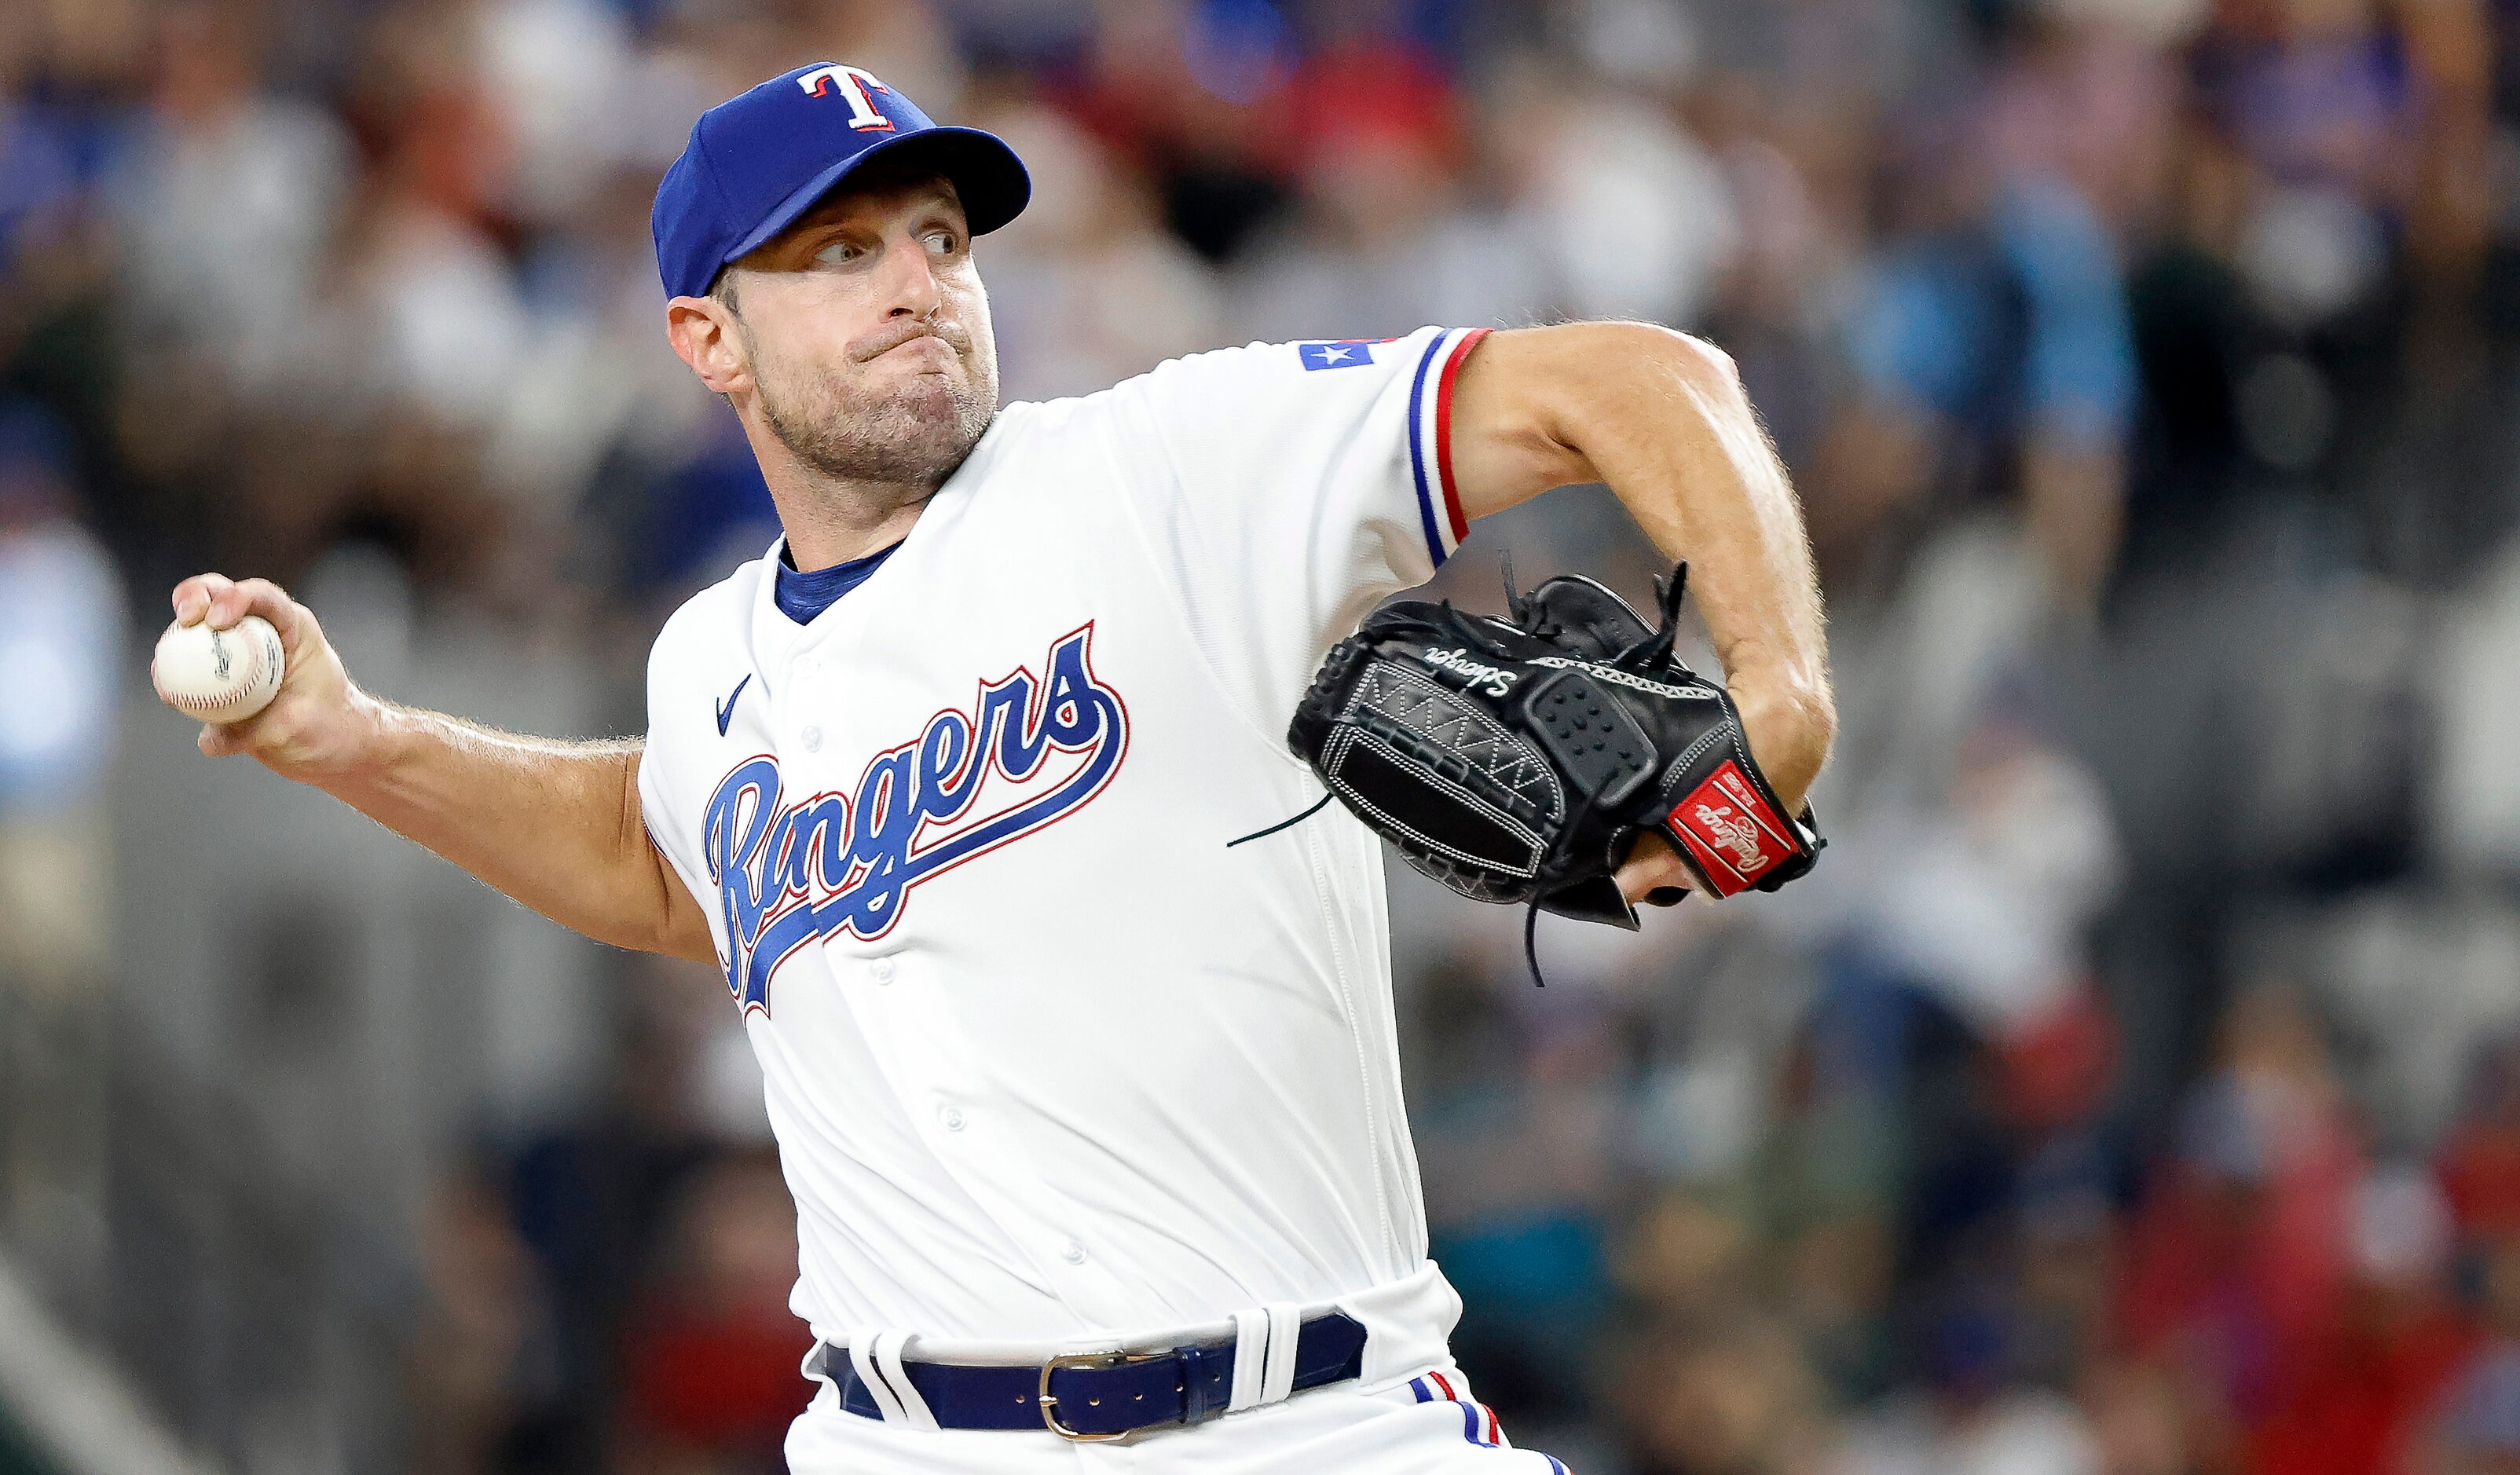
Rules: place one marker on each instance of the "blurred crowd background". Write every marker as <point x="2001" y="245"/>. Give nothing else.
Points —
<point x="2135" y="1088"/>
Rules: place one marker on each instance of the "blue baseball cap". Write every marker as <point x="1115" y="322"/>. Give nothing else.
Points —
<point x="758" y="161"/>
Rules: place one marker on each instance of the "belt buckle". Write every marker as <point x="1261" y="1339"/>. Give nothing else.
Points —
<point x="1088" y="1361"/>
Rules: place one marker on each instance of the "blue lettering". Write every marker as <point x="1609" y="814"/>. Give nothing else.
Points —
<point x="787" y="874"/>
<point x="739" y="892"/>
<point x="1006" y="722"/>
<point x="818" y="845"/>
<point x="1078" y="708"/>
<point x="944" y="784"/>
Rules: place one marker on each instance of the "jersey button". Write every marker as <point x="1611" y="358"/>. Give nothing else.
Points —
<point x="881" y="968"/>
<point x="951" y="1116"/>
<point x="1072" y="1252"/>
<point x="812" y="738"/>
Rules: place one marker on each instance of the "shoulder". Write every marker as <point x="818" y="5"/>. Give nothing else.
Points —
<point x="1310" y="363"/>
<point x="1325" y="364"/>
<point x="1219" y="381"/>
<point x="1221" y="389"/>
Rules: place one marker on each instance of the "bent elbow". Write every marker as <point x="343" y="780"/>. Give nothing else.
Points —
<point x="1695" y="359"/>
<point x="1609" y="356"/>
<point x="1630" y="341"/>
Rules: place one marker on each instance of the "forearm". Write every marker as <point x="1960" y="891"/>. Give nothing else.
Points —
<point x="556" y="824"/>
<point x="1662" y="419"/>
<point x="1683" y="451"/>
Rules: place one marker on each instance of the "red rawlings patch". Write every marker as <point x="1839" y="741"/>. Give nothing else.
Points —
<point x="1733" y="833"/>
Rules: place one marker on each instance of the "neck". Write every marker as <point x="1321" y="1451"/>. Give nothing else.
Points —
<point x="831" y="520"/>
<point x="822" y="529"/>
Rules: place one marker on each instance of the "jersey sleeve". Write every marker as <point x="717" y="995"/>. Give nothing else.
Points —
<point x="1285" y="488"/>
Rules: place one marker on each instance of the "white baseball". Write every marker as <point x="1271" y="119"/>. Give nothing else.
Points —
<point x="219" y="675"/>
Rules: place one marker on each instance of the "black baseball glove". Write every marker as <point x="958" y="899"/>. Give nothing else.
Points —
<point x="1519" y="760"/>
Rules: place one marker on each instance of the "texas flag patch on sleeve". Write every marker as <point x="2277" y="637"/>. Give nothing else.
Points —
<point x="1345" y="354"/>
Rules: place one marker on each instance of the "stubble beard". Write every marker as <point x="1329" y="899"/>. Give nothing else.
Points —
<point x="912" y="436"/>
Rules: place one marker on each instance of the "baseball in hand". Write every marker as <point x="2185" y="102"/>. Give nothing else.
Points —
<point x="218" y="675"/>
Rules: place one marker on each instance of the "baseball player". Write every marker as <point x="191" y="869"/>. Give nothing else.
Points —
<point x="1093" y="1125"/>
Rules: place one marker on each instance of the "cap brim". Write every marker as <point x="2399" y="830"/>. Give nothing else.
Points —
<point x="991" y="180"/>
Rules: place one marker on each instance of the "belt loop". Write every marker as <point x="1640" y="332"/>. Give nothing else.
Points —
<point x="876" y="1356"/>
<point x="1285" y="1328"/>
<point x="1250" y="1359"/>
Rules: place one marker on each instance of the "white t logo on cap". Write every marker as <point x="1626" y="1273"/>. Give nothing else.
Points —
<point x="853" y="83"/>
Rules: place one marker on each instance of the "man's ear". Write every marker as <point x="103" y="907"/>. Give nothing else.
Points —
<point x="706" y="336"/>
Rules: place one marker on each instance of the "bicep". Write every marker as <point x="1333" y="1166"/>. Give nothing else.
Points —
<point x="1525" y="399"/>
<point x="1505" y="440"/>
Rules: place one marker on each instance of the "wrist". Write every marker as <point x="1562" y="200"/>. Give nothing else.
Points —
<point x="362" y="746"/>
<point x="1789" y="726"/>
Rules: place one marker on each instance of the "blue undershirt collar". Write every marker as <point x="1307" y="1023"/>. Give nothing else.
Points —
<point x="802" y="596"/>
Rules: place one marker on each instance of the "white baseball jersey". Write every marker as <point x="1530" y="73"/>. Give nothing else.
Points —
<point x="1044" y="1057"/>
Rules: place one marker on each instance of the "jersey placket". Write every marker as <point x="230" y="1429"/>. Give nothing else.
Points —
<point x="890" y="986"/>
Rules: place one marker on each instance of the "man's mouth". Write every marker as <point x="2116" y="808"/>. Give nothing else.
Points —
<point x="876" y="345"/>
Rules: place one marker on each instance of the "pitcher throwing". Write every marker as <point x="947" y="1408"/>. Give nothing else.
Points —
<point x="1093" y="1125"/>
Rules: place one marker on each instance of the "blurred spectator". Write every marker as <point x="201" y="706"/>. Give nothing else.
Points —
<point x="38" y="181"/>
<point x="2361" y="1402"/>
<point x="2481" y="1161"/>
<point x="229" y="199"/>
<point x="59" y="650"/>
<point x="617" y="1210"/>
<point x="1998" y="321"/>
<point x="1723" y="1393"/>
<point x="1525" y="1153"/>
<point x="560" y="76"/>
<point x="712" y="1382"/>
<point x="2481" y="1432"/>
<point x="2146" y="1422"/>
<point x="1392" y="233"/>
<point x="2476" y="1426"/>
<point x="479" y="1354"/>
<point x="1630" y="214"/>
<point x="2238" y="1261"/>
<point x="1976" y="1417"/>
<point x="1086" y="287"/>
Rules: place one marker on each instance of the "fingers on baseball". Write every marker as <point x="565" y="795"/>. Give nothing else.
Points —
<point x="223" y="602"/>
<point x="193" y="597"/>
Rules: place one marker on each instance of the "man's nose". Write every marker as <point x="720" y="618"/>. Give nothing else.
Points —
<point x="911" y="281"/>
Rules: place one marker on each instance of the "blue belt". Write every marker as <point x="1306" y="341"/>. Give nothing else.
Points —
<point x="1092" y="1395"/>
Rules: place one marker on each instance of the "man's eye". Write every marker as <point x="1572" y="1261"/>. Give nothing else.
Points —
<point x="943" y="243"/>
<point x="839" y="253"/>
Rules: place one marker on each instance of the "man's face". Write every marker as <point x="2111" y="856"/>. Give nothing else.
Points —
<point x="867" y="332"/>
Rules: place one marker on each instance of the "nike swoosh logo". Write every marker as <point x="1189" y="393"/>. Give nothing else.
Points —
<point x="726" y="708"/>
